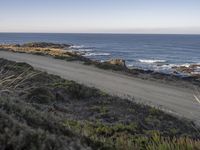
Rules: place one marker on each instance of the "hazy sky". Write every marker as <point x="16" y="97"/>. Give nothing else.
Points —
<point x="116" y="16"/>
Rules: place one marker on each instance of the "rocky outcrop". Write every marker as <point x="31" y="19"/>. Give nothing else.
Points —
<point x="41" y="48"/>
<point x="46" y="45"/>
<point x="193" y="69"/>
<point x="119" y="62"/>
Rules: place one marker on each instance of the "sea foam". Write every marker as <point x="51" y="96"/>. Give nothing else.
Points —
<point x="77" y="46"/>
<point x="152" y="61"/>
<point x="96" y="54"/>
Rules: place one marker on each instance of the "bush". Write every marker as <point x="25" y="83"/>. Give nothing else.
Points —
<point x="47" y="112"/>
<point x="40" y="95"/>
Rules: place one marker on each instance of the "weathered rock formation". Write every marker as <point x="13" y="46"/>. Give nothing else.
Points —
<point x="41" y="48"/>
<point x="45" y="45"/>
<point x="193" y="69"/>
<point x="119" y="62"/>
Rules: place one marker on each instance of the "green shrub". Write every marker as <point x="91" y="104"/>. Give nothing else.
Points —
<point x="33" y="116"/>
<point x="40" y="95"/>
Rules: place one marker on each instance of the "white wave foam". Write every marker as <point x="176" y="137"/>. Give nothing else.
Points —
<point x="96" y="54"/>
<point x="166" y="67"/>
<point x="184" y="65"/>
<point x="85" y="50"/>
<point x="151" y="61"/>
<point x="77" y="46"/>
<point x="195" y="73"/>
<point x="130" y="65"/>
<point x="171" y="66"/>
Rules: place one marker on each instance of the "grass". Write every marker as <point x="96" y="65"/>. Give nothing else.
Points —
<point x="121" y="137"/>
<point x="42" y="111"/>
<point x="197" y="96"/>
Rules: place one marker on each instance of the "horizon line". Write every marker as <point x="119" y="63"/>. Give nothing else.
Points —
<point x="102" y="33"/>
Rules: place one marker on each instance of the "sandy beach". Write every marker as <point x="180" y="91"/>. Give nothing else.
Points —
<point x="173" y="99"/>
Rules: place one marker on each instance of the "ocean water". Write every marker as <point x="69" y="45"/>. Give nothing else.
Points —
<point x="154" y="52"/>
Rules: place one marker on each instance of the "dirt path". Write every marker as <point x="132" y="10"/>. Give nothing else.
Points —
<point x="175" y="99"/>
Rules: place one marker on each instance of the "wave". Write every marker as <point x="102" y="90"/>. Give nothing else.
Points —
<point x="81" y="47"/>
<point x="172" y="66"/>
<point x="184" y="65"/>
<point x="96" y="54"/>
<point x="85" y="50"/>
<point x="77" y="46"/>
<point x="152" y="61"/>
<point x="129" y="65"/>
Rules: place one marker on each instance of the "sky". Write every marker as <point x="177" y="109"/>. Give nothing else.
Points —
<point x="100" y="16"/>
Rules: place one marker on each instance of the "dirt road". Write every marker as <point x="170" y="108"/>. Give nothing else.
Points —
<point x="172" y="99"/>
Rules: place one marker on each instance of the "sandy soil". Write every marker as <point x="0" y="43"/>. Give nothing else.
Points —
<point x="173" y="99"/>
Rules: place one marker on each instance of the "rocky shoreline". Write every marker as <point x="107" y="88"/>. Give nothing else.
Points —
<point x="66" y="52"/>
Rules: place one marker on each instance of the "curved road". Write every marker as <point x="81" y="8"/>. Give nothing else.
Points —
<point x="173" y="99"/>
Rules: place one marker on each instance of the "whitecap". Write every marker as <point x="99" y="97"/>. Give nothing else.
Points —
<point x="130" y="65"/>
<point x="85" y="50"/>
<point x="167" y="67"/>
<point x="96" y="54"/>
<point x="151" y="61"/>
<point x="184" y="65"/>
<point x="179" y="65"/>
<point x="77" y="46"/>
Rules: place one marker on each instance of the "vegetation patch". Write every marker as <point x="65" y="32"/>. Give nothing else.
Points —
<point x="42" y="111"/>
<point x="121" y="136"/>
<point x="40" y="95"/>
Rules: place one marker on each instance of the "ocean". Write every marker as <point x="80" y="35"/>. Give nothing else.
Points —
<point x="150" y="52"/>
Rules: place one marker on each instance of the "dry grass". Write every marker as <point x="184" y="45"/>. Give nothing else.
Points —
<point x="116" y="136"/>
<point x="197" y="96"/>
<point x="14" y="81"/>
<point x="197" y="99"/>
<point x="39" y="50"/>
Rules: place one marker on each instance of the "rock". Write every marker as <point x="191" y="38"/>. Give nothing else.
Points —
<point x="119" y="62"/>
<point x="195" y="66"/>
<point x="16" y="45"/>
<point x="183" y="69"/>
<point x="45" y="45"/>
<point x="193" y="70"/>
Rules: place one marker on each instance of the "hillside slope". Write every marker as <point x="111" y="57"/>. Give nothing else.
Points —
<point x="42" y="111"/>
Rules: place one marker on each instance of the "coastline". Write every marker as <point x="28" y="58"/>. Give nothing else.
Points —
<point x="68" y="53"/>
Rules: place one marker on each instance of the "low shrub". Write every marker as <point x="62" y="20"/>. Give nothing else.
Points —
<point x="40" y="95"/>
<point x="47" y="112"/>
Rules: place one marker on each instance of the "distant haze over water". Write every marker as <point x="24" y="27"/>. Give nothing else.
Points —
<point x="156" y="52"/>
